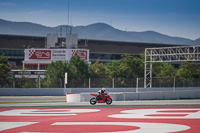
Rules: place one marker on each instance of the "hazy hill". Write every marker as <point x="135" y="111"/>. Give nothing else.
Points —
<point x="195" y="42"/>
<point x="24" y="28"/>
<point x="99" y="31"/>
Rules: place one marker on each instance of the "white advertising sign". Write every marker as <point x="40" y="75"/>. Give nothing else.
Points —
<point x="59" y="54"/>
<point x="55" y="54"/>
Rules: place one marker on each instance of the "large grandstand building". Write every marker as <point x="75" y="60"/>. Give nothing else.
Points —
<point x="13" y="46"/>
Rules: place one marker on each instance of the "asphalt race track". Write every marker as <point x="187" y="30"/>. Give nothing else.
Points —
<point x="181" y="116"/>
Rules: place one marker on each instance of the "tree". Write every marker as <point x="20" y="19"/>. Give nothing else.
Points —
<point x="132" y="67"/>
<point x="55" y="73"/>
<point x="164" y="73"/>
<point x="188" y="70"/>
<point x="98" y="70"/>
<point x="77" y="70"/>
<point x="188" y="75"/>
<point x="113" y="68"/>
<point x="164" y="70"/>
<point x="127" y="67"/>
<point x="126" y="70"/>
<point x="100" y="75"/>
<point x="4" y="70"/>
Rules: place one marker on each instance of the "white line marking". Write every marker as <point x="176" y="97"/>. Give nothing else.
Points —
<point x="10" y="125"/>
<point x="143" y="113"/>
<point x="144" y="127"/>
<point x="45" y="112"/>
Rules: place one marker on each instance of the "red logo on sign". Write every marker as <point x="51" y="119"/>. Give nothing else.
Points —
<point x="81" y="53"/>
<point x="40" y="54"/>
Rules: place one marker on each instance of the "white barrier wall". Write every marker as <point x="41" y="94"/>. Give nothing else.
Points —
<point x="139" y="96"/>
<point x="32" y="91"/>
<point x="115" y="93"/>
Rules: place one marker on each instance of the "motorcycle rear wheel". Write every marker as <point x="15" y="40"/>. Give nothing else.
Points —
<point x="93" y="101"/>
<point x="109" y="101"/>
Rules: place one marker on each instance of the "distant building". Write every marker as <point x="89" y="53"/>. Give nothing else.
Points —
<point x="15" y="46"/>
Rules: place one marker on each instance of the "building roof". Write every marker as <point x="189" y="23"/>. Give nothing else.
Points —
<point x="95" y="46"/>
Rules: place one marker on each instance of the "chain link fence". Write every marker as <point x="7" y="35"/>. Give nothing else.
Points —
<point x="100" y="82"/>
<point x="171" y="82"/>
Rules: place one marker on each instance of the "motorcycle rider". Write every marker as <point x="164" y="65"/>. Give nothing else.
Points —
<point x="101" y="93"/>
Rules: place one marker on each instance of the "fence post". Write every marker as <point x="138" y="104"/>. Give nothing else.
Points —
<point x="14" y="82"/>
<point x="39" y="81"/>
<point x="113" y="83"/>
<point x="89" y="83"/>
<point x="174" y="83"/>
<point x="137" y="85"/>
<point x="64" y="84"/>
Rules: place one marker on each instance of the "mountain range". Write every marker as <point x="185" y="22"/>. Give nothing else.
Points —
<point x="97" y="31"/>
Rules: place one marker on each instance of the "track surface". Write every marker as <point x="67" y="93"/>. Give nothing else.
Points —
<point x="53" y="115"/>
<point x="182" y="119"/>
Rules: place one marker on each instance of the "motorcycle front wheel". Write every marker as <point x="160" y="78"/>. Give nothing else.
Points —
<point x="109" y="101"/>
<point x="93" y="101"/>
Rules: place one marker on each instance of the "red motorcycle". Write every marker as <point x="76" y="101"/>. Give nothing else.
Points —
<point x="105" y="98"/>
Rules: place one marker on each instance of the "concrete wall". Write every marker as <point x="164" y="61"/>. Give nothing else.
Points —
<point x="90" y="90"/>
<point x="63" y="91"/>
<point x="192" y="94"/>
<point x="116" y="93"/>
<point x="32" y="91"/>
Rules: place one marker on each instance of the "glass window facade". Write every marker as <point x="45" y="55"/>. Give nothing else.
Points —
<point x="31" y="67"/>
<point x="12" y="52"/>
<point x="107" y="57"/>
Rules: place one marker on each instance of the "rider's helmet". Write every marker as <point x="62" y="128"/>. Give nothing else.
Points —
<point x="103" y="89"/>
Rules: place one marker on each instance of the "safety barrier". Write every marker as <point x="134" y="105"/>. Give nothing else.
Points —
<point x="118" y="94"/>
<point x="161" y="95"/>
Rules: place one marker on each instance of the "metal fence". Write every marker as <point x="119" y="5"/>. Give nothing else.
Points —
<point x="100" y="82"/>
<point x="171" y="82"/>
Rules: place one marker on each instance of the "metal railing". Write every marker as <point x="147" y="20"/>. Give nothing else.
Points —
<point x="101" y="82"/>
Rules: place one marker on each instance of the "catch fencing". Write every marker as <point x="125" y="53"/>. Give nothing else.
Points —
<point x="101" y="82"/>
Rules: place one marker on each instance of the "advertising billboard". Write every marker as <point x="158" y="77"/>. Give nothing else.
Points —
<point x="55" y="54"/>
<point x="82" y="53"/>
<point x="39" y="54"/>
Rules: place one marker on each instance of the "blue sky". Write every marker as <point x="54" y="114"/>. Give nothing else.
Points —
<point x="171" y="17"/>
